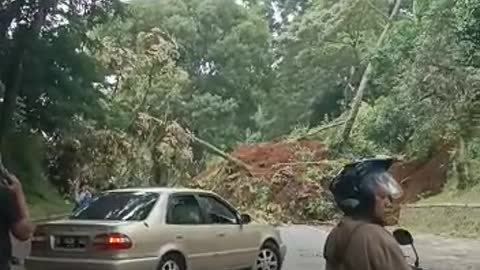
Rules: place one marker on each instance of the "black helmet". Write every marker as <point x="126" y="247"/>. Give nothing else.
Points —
<point x="354" y="186"/>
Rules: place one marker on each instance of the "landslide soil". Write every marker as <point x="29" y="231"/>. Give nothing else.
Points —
<point x="288" y="181"/>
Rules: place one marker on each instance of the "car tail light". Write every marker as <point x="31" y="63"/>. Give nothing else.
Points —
<point x="112" y="241"/>
<point x="39" y="237"/>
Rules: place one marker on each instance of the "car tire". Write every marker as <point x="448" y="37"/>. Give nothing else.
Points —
<point x="172" y="261"/>
<point x="268" y="257"/>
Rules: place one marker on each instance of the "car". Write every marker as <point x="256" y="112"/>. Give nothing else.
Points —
<point x="156" y="229"/>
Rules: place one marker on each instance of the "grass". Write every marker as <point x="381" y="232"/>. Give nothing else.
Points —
<point x="44" y="201"/>
<point x="450" y="195"/>
<point x="446" y="221"/>
<point x="24" y="155"/>
<point x="41" y="208"/>
<point x="456" y="222"/>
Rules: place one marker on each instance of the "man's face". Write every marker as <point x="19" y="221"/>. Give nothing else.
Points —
<point x="382" y="202"/>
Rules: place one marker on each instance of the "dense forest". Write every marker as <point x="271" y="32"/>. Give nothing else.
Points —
<point x="103" y="90"/>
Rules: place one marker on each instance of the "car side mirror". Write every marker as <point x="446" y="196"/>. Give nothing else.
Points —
<point x="245" y="218"/>
<point x="403" y="237"/>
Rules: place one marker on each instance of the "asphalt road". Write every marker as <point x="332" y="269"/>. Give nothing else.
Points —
<point x="305" y="246"/>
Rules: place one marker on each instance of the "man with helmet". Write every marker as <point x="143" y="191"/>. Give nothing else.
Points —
<point x="363" y="190"/>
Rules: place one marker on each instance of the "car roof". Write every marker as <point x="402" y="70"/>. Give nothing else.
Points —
<point x="168" y="190"/>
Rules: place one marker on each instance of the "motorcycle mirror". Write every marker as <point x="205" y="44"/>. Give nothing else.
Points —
<point x="403" y="237"/>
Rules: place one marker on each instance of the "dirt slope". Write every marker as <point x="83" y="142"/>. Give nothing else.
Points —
<point x="422" y="177"/>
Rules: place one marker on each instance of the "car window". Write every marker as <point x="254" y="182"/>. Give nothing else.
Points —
<point x="133" y="206"/>
<point x="217" y="211"/>
<point x="184" y="209"/>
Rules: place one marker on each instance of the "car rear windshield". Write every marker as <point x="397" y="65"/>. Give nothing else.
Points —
<point x="132" y="206"/>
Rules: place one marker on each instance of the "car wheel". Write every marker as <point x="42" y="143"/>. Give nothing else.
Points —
<point x="268" y="258"/>
<point x="172" y="261"/>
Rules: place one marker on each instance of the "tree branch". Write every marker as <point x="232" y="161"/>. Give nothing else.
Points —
<point x="212" y="148"/>
<point x="320" y="129"/>
<point x="220" y="153"/>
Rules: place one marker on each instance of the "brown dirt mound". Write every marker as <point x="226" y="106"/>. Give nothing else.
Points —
<point x="282" y="181"/>
<point x="266" y="158"/>
<point x="422" y="177"/>
<point x="287" y="181"/>
<point x="419" y="178"/>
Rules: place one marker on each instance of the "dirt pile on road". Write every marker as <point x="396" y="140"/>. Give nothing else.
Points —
<point x="265" y="159"/>
<point x="288" y="181"/>
<point x="284" y="182"/>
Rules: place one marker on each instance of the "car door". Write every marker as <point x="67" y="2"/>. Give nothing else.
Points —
<point x="187" y="223"/>
<point x="239" y="244"/>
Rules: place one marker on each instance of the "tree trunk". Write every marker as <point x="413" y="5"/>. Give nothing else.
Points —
<point x="317" y="130"/>
<point x="357" y="101"/>
<point x="462" y="166"/>
<point x="212" y="148"/>
<point x="161" y="174"/>
<point x="220" y="153"/>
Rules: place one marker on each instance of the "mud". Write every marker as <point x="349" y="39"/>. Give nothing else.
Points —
<point x="265" y="159"/>
<point x="291" y="180"/>
<point x="422" y="178"/>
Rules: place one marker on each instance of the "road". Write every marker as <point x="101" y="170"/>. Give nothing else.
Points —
<point x="305" y="244"/>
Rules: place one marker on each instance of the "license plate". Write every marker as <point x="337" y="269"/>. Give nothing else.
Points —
<point x="70" y="242"/>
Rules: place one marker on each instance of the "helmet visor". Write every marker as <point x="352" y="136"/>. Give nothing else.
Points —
<point x="386" y="184"/>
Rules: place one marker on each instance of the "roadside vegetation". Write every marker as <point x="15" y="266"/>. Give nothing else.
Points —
<point x="453" y="212"/>
<point x="190" y="92"/>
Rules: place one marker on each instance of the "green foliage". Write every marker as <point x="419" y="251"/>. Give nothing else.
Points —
<point x="319" y="209"/>
<point x="428" y="91"/>
<point x="320" y="61"/>
<point x="390" y="124"/>
<point x="224" y="48"/>
<point x="113" y="90"/>
<point x="24" y="155"/>
<point x="159" y="154"/>
<point x="56" y="73"/>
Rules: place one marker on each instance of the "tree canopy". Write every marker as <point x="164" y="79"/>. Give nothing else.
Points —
<point x="232" y="72"/>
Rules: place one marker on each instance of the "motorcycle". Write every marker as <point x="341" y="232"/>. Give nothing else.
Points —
<point x="405" y="238"/>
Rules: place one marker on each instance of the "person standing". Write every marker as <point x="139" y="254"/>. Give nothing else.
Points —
<point x="14" y="217"/>
<point x="82" y="195"/>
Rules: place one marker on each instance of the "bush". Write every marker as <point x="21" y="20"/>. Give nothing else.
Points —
<point x="320" y="209"/>
<point x="24" y="155"/>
